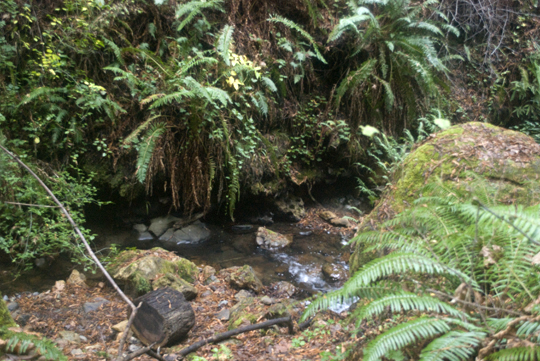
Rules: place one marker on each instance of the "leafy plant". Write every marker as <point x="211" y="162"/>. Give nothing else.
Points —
<point x="470" y="284"/>
<point x="20" y="343"/>
<point x="394" y="66"/>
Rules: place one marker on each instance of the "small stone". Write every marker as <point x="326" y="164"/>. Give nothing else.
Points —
<point x="284" y="289"/>
<point x="334" y="272"/>
<point x="223" y="303"/>
<point x="145" y="236"/>
<point x="245" y="278"/>
<point x="76" y="278"/>
<point x="59" y="286"/>
<point x="35" y="294"/>
<point x="12" y="306"/>
<point x="271" y="240"/>
<point x="224" y="314"/>
<point x="208" y="272"/>
<point x="210" y="280"/>
<point x="83" y="338"/>
<point x="242" y="295"/>
<point x="133" y="348"/>
<point x="5" y="298"/>
<point x="120" y="327"/>
<point x="77" y="352"/>
<point x="140" y="228"/>
<point x="93" y="306"/>
<point x="206" y="293"/>
<point x="267" y="300"/>
<point x="70" y="337"/>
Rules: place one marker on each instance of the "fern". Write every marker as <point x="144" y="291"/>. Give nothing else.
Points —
<point x="516" y="354"/>
<point x="134" y="134"/>
<point x="453" y="346"/>
<point x="146" y="149"/>
<point x="224" y="43"/>
<point x="403" y="335"/>
<point x="292" y="25"/>
<point x="194" y="8"/>
<point x="22" y="341"/>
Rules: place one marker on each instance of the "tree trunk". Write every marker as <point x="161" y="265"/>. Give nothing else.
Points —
<point x="163" y="318"/>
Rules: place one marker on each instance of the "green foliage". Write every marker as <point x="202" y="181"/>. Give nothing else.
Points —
<point x="442" y="241"/>
<point x="31" y="225"/>
<point x="394" y="63"/>
<point x="20" y="341"/>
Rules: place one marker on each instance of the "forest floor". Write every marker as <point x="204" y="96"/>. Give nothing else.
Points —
<point x="59" y="315"/>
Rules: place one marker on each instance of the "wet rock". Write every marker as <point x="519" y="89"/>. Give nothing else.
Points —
<point x="265" y="220"/>
<point x="207" y="272"/>
<point x="271" y="240"/>
<point x="334" y="272"/>
<point x="175" y="282"/>
<point x="12" y="306"/>
<point x="290" y="209"/>
<point x="168" y="235"/>
<point x="224" y="314"/>
<point x="76" y="278"/>
<point x="242" y="294"/>
<point x="334" y="220"/>
<point x="136" y="269"/>
<point x="145" y="237"/>
<point x="140" y="227"/>
<point x="159" y="225"/>
<point x="194" y="233"/>
<point x="93" y="306"/>
<point x="245" y="278"/>
<point x="283" y="289"/>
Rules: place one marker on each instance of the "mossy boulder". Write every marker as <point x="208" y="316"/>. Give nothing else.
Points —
<point x="474" y="157"/>
<point x="140" y="271"/>
<point x="5" y="316"/>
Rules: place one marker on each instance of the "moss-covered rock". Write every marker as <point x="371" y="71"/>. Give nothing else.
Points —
<point x="137" y="270"/>
<point x="245" y="278"/>
<point x="175" y="282"/>
<point x="502" y="164"/>
<point x="5" y="316"/>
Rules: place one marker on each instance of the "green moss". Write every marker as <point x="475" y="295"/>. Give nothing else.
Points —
<point x="5" y="316"/>
<point x="141" y="284"/>
<point x="475" y="157"/>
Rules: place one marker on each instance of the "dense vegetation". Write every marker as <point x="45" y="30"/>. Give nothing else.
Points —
<point x="205" y="101"/>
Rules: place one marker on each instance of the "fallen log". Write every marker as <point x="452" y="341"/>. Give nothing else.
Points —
<point x="163" y="318"/>
<point x="225" y="335"/>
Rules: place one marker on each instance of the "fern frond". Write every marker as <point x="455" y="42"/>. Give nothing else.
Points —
<point x="403" y="335"/>
<point x="42" y="91"/>
<point x="340" y="297"/>
<point x="404" y="301"/>
<point x="516" y="354"/>
<point x="292" y="25"/>
<point x="269" y="84"/>
<point x="44" y="347"/>
<point x="453" y="346"/>
<point x="401" y="263"/>
<point x="194" y="8"/>
<point x="224" y="42"/>
<point x="116" y="50"/>
<point x="146" y="149"/>
<point x="139" y="129"/>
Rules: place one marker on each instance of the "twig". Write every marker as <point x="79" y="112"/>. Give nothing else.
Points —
<point x="126" y="330"/>
<point x="225" y="335"/>
<point x="137" y="353"/>
<point x="31" y="205"/>
<point x="75" y="227"/>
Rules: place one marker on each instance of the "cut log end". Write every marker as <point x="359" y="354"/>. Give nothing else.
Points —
<point x="164" y="317"/>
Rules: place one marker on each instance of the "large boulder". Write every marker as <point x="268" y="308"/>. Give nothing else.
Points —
<point x="290" y="209"/>
<point x="194" y="233"/>
<point x="139" y="270"/>
<point x="502" y="163"/>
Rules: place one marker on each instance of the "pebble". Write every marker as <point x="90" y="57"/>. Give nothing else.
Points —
<point x="223" y="303"/>
<point x="6" y="298"/>
<point x="224" y="314"/>
<point x="266" y="300"/>
<point x="77" y="352"/>
<point x="12" y="306"/>
<point x="83" y="338"/>
<point x="92" y="306"/>
<point x="133" y="348"/>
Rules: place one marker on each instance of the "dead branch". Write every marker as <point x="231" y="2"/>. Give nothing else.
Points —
<point x="225" y="335"/>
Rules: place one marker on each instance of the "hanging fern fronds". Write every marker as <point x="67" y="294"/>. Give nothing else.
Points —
<point x="134" y="134"/>
<point x="224" y="42"/>
<point x="453" y="346"/>
<point x="403" y="335"/>
<point x="43" y="91"/>
<point x="516" y="354"/>
<point x="146" y="149"/>
<point x="194" y="8"/>
<point x="292" y="25"/>
<point x="115" y="49"/>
